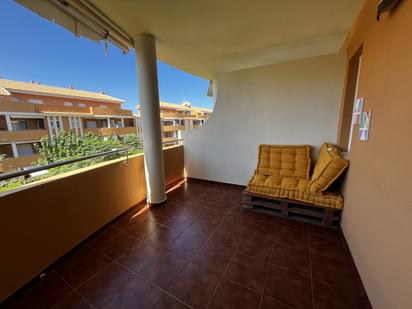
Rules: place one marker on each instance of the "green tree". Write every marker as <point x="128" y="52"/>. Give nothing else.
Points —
<point x="67" y="146"/>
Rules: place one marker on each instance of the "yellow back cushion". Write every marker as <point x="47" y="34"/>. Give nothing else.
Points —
<point x="286" y="161"/>
<point x="328" y="167"/>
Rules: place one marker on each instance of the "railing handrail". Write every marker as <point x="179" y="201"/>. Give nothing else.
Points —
<point x="60" y="163"/>
<point x="28" y="171"/>
<point x="177" y="140"/>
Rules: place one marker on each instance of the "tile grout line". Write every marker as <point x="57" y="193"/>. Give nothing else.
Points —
<point x="150" y="282"/>
<point x="76" y="290"/>
<point x="310" y="270"/>
<point x="196" y="254"/>
<point x="190" y="260"/>
<point x="221" y="277"/>
<point x="268" y="266"/>
<point x="113" y="261"/>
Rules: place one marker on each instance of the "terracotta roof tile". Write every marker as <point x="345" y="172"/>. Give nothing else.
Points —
<point x="10" y="85"/>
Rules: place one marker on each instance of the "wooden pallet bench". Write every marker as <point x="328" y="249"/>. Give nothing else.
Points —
<point x="292" y="209"/>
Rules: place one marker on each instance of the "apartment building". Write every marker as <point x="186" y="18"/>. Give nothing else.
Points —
<point x="29" y="111"/>
<point x="178" y="118"/>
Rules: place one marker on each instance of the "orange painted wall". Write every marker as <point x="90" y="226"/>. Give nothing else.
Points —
<point x="377" y="219"/>
<point x="42" y="222"/>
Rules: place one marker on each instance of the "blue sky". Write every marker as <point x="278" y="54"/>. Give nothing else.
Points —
<point x="33" y="48"/>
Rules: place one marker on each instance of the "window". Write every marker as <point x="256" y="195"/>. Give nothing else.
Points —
<point x="15" y="99"/>
<point x="91" y="124"/>
<point x="103" y="106"/>
<point x="82" y="105"/>
<point x="3" y="123"/>
<point x="68" y="104"/>
<point x="167" y="123"/>
<point x="168" y="134"/>
<point x="40" y="124"/>
<point x="6" y="150"/>
<point x="36" y="101"/>
<point x="19" y="125"/>
<point x="128" y="122"/>
<point x="25" y="149"/>
<point x="55" y="124"/>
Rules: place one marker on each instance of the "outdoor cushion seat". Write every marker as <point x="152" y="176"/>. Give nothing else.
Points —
<point x="283" y="172"/>
<point x="329" y="166"/>
<point x="293" y="189"/>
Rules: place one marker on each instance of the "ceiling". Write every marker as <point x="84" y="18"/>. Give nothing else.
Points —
<point x="206" y="38"/>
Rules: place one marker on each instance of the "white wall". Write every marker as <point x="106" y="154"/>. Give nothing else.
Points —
<point x="290" y="103"/>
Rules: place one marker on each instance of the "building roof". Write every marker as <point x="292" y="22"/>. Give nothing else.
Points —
<point x="184" y="106"/>
<point x="11" y="86"/>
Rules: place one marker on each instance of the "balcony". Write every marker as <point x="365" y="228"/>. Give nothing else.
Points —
<point x="14" y="163"/>
<point x="22" y="136"/>
<point x="295" y="85"/>
<point x="62" y="109"/>
<point x="173" y="128"/>
<point x="98" y="111"/>
<point x="40" y="215"/>
<point x="17" y="107"/>
<point x="110" y="131"/>
<point x="176" y="116"/>
<point x="46" y="108"/>
<point x="160" y="253"/>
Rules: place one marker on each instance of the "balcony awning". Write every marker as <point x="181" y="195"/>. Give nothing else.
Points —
<point x="82" y="19"/>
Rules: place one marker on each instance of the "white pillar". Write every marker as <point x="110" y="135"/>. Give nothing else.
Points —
<point x="80" y="126"/>
<point x="8" y="123"/>
<point x="15" y="152"/>
<point x="56" y="129"/>
<point x="61" y="123"/>
<point x="49" y="125"/>
<point x="109" y="125"/>
<point x="122" y="119"/>
<point x="145" y="47"/>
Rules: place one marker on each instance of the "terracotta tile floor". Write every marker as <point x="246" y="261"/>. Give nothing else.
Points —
<point x="203" y="250"/>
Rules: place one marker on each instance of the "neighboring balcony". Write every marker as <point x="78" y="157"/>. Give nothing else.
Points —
<point x="23" y="107"/>
<point x="10" y="164"/>
<point x="62" y="109"/>
<point x="110" y="111"/>
<point x="177" y="115"/>
<point x="111" y="131"/>
<point x="173" y="128"/>
<point x="22" y="136"/>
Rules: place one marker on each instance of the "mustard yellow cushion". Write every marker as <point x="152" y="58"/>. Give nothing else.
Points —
<point x="284" y="161"/>
<point x="329" y="166"/>
<point x="293" y="189"/>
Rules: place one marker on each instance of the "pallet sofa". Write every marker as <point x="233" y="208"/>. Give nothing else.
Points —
<point x="282" y="182"/>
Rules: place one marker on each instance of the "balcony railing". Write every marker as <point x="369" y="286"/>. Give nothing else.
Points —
<point x="55" y="214"/>
<point x="21" y="136"/>
<point x="110" y="111"/>
<point x="62" y="109"/>
<point x="111" y="131"/>
<point x="177" y="116"/>
<point x="14" y="163"/>
<point x="173" y="128"/>
<point x="46" y="108"/>
<point x="17" y="107"/>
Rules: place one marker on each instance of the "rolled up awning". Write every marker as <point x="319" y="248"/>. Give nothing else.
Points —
<point x="82" y="19"/>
